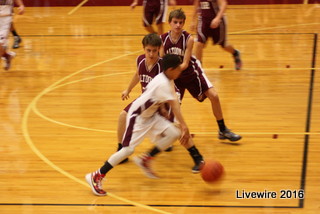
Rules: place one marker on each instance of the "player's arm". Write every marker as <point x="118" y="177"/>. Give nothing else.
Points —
<point x="134" y="81"/>
<point x="20" y="6"/>
<point x="185" y="134"/>
<point x="187" y="54"/>
<point x="222" y="8"/>
<point x="161" y="51"/>
<point x="172" y="2"/>
<point x="134" y="4"/>
<point x="194" y="15"/>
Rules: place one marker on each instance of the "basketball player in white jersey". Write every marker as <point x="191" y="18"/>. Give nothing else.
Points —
<point x="6" y="8"/>
<point x="144" y="120"/>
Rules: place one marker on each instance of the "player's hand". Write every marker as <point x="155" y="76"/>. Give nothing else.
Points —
<point x="215" y="23"/>
<point x="21" y="10"/>
<point x="185" y="135"/>
<point x="133" y="5"/>
<point x="125" y="95"/>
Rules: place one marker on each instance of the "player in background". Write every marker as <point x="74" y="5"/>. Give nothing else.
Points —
<point x="6" y="8"/>
<point x="154" y="10"/>
<point x="180" y="42"/>
<point x="212" y="23"/>
<point x="143" y="120"/>
<point x="149" y="66"/>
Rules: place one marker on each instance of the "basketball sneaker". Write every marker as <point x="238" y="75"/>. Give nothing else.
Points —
<point x="237" y="60"/>
<point x="17" y="41"/>
<point x="7" y="60"/>
<point x="95" y="179"/>
<point x="197" y="167"/>
<point x="144" y="163"/>
<point x="228" y="134"/>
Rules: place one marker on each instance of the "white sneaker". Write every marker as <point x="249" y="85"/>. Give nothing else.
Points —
<point x="95" y="179"/>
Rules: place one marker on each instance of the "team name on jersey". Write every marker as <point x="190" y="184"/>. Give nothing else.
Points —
<point x="145" y="78"/>
<point x="176" y="51"/>
<point x="204" y="5"/>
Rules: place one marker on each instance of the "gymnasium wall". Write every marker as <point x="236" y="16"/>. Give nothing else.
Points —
<point x="47" y="3"/>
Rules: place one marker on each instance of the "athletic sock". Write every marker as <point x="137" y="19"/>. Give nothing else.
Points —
<point x="154" y="152"/>
<point x="14" y="33"/>
<point x="195" y="154"/>
<point x="105" y="168"/>
<point x="222" y="126"/>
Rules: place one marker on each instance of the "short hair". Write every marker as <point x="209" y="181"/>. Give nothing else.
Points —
<point x="151" y="39"/>
<point x="178" y="14"/>
<point x="170" y="61"/>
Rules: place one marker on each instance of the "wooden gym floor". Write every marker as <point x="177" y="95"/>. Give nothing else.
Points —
<point x="61" y="100"/>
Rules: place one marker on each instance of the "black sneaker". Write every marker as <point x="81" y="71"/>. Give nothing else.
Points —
<point x="237" y="60"/>
<point x="228" y="134"/>
<point x="17" y="41"/>
<point x="197" y="167"/>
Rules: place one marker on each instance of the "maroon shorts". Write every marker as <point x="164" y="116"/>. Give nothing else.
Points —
<point x="154" y="9"/>
<point x="195" y="81"/>
<point x="218" y="34"/>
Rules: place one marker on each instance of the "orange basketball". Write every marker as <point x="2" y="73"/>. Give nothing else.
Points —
<point x="211" y="171"/>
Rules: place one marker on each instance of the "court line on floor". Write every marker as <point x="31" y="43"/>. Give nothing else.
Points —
<point x="30" y="143"/>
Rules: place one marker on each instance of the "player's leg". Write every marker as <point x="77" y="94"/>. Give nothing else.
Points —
<point x="131" y="139"/>
<point x="164" y="133"/>
<point x="220" y="37"/>
<point x="120" y="131"/>
<point x="224" y="132"/>
<point x="195" y="155"/>
<point x="203" y="32"/>
<point x="148" y="19"/>
<point x="16" y="38"/>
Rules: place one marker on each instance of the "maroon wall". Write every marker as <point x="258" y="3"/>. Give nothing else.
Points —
<point x="41" y="3"/>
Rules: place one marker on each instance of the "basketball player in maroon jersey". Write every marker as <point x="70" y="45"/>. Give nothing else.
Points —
<point x="180" y="42"/>
<point x="212" y="23"/>
<point x="154" y="10"/>
<point x="148" y="66"/>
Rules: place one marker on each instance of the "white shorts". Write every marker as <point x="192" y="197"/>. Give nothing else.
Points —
<point x="141" y="128"/>
<point x="5" y="25"/>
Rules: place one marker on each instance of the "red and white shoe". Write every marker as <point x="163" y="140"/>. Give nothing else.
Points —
<point x="144" y="163"/>
<point x="95" y="180"/>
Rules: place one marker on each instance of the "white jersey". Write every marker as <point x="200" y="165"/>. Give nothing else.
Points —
<point x="143" y="118"/>
<point x="6" y="7"/>
<point x="158" y="91"/>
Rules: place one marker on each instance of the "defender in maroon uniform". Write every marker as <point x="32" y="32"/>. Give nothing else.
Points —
<point x="149" y="65"/>
<point x="154" y="10"/>
<point x="179" y="42"/>
<point x="212" y="23"/>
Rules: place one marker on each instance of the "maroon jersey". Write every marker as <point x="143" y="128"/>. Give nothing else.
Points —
<point x="146" y="75"/>
<point x="179" y="48"/>
<point x="208" y="8"/>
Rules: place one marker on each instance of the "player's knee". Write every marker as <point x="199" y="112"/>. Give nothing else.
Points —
<point x="212" y="94"/>
<point x="123" y="116"/>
